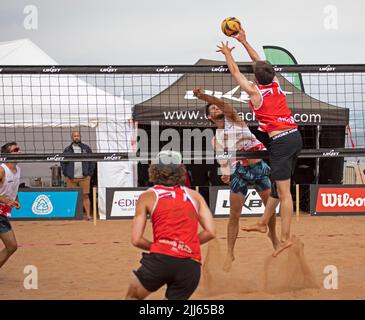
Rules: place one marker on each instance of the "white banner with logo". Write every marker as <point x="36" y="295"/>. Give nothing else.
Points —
<point x="121" y="202"/>
<point x="220" y="204"/>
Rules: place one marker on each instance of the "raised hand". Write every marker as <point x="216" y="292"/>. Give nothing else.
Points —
<point x="224" y="48"/>
<point x="240" y="36"/>
<point x="198" y="92"/>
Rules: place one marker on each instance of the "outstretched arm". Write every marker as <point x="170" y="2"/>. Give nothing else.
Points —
<point x="241" y="37"/>
<point x="227" y="108"/>
<point x="245" y="85"/>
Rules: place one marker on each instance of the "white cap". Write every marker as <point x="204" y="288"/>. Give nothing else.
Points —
<point x="168" y="157"/>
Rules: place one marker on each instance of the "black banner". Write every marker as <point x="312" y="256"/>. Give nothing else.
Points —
<point x="188" y="157"/>
<point x="175" y="69"/>
<point x="180" y="310"/>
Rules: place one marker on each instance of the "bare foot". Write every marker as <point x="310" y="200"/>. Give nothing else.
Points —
<point x="274" y="239"/>
<point x="257" y="227"/>
<point x="228" y="263"/>
<point x="282" y="246"/>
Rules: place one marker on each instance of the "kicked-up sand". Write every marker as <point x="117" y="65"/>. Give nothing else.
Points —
<point x="77" y="260"/>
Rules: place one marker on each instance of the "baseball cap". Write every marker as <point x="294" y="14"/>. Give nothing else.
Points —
<point x="168" y="157"/>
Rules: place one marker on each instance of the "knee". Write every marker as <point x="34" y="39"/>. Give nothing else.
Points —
<point x="132" y="293"/>
<point x="234" y="215"/>
<point x="284" y="194"/>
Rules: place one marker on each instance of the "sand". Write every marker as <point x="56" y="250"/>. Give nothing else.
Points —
<point x="77" y="260"/>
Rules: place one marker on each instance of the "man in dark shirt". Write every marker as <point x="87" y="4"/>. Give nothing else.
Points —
<point x="78" y="174"/>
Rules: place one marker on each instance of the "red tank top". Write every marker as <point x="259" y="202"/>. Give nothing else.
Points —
<point x="175" y="223"/>
<point x="274" y="113"/>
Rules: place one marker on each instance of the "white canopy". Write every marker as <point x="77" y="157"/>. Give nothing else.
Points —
<point x="59" y="101"/>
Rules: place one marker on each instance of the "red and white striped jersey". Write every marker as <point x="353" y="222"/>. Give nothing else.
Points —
<point x="175" y="223"/>
<point x="274" y="113"/>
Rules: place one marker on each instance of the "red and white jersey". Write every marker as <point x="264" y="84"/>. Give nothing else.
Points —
<point x="237" y="138"/>
<point x="9" y="188"/>
<point x="274" y="113"/>
<point x="175" y="223"/>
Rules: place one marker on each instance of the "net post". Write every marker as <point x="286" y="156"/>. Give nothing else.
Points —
<point x="297" y="201"/>
<point x="94" y="205"/>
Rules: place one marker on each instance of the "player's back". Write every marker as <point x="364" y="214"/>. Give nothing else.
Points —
<point x="175" y="223"/>
<point x="274" y="113"/>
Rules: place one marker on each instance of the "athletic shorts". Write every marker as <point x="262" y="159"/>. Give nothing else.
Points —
<point x="5" y="225"/>
<point x="283" y="153"/>
<point x="181" y="275"/>
<point x="255" y="175"/>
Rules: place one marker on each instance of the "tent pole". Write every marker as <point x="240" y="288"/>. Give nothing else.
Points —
<point x="318" y="131"/>
<point x="94" y="205"/>
<point x="297" y="201"/>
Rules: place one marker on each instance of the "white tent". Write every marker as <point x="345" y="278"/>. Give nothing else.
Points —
<point x="39" y="101"/>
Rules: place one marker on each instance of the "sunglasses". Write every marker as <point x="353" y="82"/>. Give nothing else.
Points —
<point x="16" y="149"/>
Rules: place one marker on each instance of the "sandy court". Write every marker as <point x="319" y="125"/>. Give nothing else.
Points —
<point x="76" y="260"/>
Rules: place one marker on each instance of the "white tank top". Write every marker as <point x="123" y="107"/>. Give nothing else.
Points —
<point x="236" y="138"/>
<point x="11" y="182"/>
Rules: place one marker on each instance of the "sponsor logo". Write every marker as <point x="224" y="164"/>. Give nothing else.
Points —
<point x="341" y="200"/>
<point x="127" y="203"/>
<point x="219" y="69"/>
<point x="278" y="69"/>
<point x="223" y="156"/>
<point x="253" y="203"/>
<point x="110" y="69"/>
<point x="286" y="119"/>
<point x="113" y="157"/>
<point x="51" y="70"/>
<point x="331" y="153"/>
<point x="42" y="205"/>
<point x="165" y="69"/>
<point x="55" y="158"/>
<point x="327" y="68"/>
<point x="124" y="203"/>
<point x="3" y="159"/>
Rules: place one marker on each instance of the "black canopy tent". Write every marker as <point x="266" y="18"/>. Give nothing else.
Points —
<point x="322" y="125"/>
<point x="178" y="97"/>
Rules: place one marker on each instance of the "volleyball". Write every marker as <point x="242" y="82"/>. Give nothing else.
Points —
<point x="230" y="26"/>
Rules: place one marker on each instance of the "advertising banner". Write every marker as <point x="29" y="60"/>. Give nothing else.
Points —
<point x="121" y="202"/>
<point x="49" y="203"/>
<point x="220" y="205"/>
<point x="337" y="199"/>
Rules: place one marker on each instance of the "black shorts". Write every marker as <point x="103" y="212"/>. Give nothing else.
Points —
<point x="5" y="225"/>
<point x="181" y="275"/>
<point x="283" y="154"/>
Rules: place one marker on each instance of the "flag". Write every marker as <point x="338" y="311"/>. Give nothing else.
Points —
<point x="277" y="55"/>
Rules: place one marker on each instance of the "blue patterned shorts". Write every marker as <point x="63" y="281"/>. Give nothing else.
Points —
<point x="5" y="225"/>
<point x="256" y="175"/>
